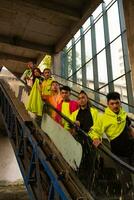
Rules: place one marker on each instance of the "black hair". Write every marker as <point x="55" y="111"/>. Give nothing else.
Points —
<point x="88" y="102"/>
<point x="66" y="88"/>
<point x="34" y="77"/>
<point x="113" y="96"/>
<point x="36" y="68"/>
<point x="46" y="69"/>
<point x="54" y="82"/>
<point x="83" y="92"/>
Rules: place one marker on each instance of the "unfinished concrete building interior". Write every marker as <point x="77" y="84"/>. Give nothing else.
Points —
<point x="90" y="44"/>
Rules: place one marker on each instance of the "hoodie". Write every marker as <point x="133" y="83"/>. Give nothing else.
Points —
<point x="110" y="123"/>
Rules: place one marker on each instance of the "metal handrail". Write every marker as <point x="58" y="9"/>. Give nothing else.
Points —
<point x="113" y="80"/>
<point x="102" y="147"/>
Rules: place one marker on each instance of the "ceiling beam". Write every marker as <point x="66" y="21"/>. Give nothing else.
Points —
<point x="17" y="41"/>
<point x="62" y="9"/>
<point x="6" y="56"/>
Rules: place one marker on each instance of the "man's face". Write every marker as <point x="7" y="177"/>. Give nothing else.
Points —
<point x="82" y="100"/>
<point x="65" y="95"/>
<point x="30" y="65"/>
<point x="47" y="73"/>
<point x="55" y="87"/>
<point x="114" y="105"/>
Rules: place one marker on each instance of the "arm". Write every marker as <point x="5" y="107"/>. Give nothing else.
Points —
<point x="97" y="131"/>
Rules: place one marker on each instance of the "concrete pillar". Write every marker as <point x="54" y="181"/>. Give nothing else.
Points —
<point x="57" y="63"/>
<point x="129" y="19"/>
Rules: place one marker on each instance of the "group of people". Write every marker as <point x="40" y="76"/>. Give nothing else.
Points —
<point x="114" y="122"/>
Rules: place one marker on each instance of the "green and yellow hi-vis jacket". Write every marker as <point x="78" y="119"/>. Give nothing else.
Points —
<point x="110" y="123"/>
<point x="94" y="113"/>
<point x="35" y="103"/>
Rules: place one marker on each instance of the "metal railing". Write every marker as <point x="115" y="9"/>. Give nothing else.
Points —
<point x="42" y="167"/>
<point x="99" y="159"/>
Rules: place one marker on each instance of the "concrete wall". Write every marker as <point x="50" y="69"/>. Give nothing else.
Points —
<point x="57" y="63"/>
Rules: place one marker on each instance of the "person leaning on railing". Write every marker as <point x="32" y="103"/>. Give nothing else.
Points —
<point x="86" y="115"/>
<point x="117" y="126"/>
<point x="84" y="118"/>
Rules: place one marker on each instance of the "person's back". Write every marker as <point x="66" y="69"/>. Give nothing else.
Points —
<point x="117" y="126"/>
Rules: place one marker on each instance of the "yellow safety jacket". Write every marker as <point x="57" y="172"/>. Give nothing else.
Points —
<point x="94" y="113"/>
<point x="110" y="123"/>
<point x="35" y="103"/>
<point x="46" y="86"/>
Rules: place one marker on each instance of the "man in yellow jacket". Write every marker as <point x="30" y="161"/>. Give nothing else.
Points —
<point x="46" y="84"/>
<point x="117" y="126"/>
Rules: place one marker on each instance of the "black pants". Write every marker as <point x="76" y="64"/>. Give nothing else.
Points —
<point x="123" y="146"/>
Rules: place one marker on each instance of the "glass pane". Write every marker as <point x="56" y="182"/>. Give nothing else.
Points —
<point x="89" y="72"/>
<point x="88" y="47"/>
<point x="100" y="43"/>
<point x="102" y="68"/>
<point x="69" y="44"/>
<point x="78" y="62"/>
<point x="120" y="86"/>
<point x="107" y="1"/>
<point x="117" y="59"/>
<point x="113" y="20"/>
<point x="78" y="55"/>
<point x="86" y="24"/>
<point x="97" y="12"/>
<point x="69" y="62"/>
<point x="79" y="77"/>
<point x="77" y="35"/>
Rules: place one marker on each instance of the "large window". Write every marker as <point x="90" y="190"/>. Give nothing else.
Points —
<point x="97" y="54"/>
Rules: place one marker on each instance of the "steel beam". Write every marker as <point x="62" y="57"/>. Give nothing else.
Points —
<point x="108" y="50"/>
